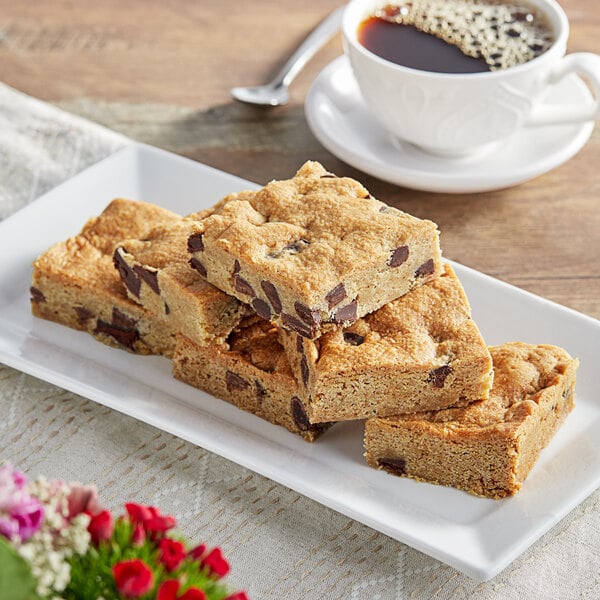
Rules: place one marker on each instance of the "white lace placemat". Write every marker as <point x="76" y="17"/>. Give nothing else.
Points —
<point x="280" y="544"/>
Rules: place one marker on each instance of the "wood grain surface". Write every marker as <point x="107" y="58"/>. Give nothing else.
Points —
<point x="160" y="72"/>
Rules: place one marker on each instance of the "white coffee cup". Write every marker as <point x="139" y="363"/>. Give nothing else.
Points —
<point x="459" y="114"/>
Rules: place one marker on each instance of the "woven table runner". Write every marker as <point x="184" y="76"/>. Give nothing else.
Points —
<point x="280" y="544"/>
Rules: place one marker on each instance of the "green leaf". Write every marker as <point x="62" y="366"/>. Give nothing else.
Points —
<point x="16" y="580"/>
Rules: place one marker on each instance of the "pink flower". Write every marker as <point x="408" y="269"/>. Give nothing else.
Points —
<point x="101" y="527"/>
<point x="238" y="596"/>
<point x="172" y="553"/>
<point x="28" y="515"/>
<point x="20" y="514"/>
<point x="133" y="578"/>
<point x="11" y="483"/>
<point x="83" y="499"/>
<point x="168" y="591"/>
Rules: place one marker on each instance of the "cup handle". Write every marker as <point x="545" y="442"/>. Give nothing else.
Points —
<point x="582" y="63"/>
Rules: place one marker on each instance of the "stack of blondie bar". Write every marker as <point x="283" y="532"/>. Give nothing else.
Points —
<point x="309" y="302"/>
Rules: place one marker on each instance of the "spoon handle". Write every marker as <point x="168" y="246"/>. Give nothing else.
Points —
<point x="315" y="40"/>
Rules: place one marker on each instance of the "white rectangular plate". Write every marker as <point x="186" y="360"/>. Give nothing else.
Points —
<point x="477" y="536"/>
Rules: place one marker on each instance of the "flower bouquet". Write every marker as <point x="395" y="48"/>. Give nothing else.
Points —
<point x="57" y="542"/>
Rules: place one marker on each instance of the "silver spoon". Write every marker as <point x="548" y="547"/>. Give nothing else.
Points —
<point x="276" y="92"/>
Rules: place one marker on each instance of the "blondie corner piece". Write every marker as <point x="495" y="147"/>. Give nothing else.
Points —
<point x="489" y="447"/>
<point x="422" y="351"/>
<point x="314" y="249"/>
<point x="250" y="371"/>
<point x="157" y="274"/>
<point x="75" y="282"/>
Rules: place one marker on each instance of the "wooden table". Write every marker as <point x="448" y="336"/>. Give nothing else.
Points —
<point x="161" y="72"/>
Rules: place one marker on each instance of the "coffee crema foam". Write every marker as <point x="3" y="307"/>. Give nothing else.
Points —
<point x="503" y="34"/>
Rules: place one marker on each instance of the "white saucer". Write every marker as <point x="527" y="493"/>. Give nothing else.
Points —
<point x="338" y="117"/>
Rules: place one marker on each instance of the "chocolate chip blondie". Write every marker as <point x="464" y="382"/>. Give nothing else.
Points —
<point x="249" y="370"/>
<point x="157" y="275"/>
<point x="419" y="352"/>
<point x="76" y="284"/>
<point x="489" y="447"/>
<point x="314" y="249"/>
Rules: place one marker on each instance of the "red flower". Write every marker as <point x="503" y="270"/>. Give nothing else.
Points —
<point x="138" y="535"/>
<point x="133" y="578"/>
<point x="168" y="591"/>
<point x="193" y="593"/>
<point x="172" y="553"/>
<point x="150" y="517"/>
<point x="138" y="513"/>
<point x="101" y="527"/>
<point x="215" y="562"/>
<point x="238" y="596"/>
<point x="198" y="552"/>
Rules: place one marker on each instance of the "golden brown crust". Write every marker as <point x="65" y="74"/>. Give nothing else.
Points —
<point x="75" y="282"/>
<point x="422" y="351"/>
<point x="249" y="370"/>
<point x="488" y="447"/>
<point x="315" y="249"/>
<point x="157" y="275"/>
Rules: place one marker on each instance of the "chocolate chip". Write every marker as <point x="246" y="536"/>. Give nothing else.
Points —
<point x="126" y="337"/>
<point x="310" y="317"/>
<point x="167" y="309"/>
<point x="271" y="293"/>
<point x="438" y="376"/>
<point x="120" y="319"/>
<point x="295" y="247"/>
<point x="236" y="267"/>
<point x="399" y="256"/>
<point x="195" y="243"/>
<point x="196" y="264"/>
<point x="304" y="370"/>
<point x="336" y="295"/>
<point x="383" y="209"/>
<point x="234" y="382"/>
<point x="150" y="277"/>
<point x="396" y="466"/>
<point x="299" y="344"/>
<point x="514" y="33"/>
<point x="346" y="314"/>
<point x="261" y="392"/>
<point x="290" y="249"/>
<point x="37" y="296"/>
<point x="296" y="325"/>
<point x="242" y="286"/>
<point x="261" y="308"/>
<point x="427" y="268"/>
<point x="83" y="314"/>
<point x="299" y="414"/>
<point x="131" y="280"/>
<point x="354" y="339"/>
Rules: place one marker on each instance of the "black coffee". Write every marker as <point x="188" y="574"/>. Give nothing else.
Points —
<point x="456" y="36"/>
